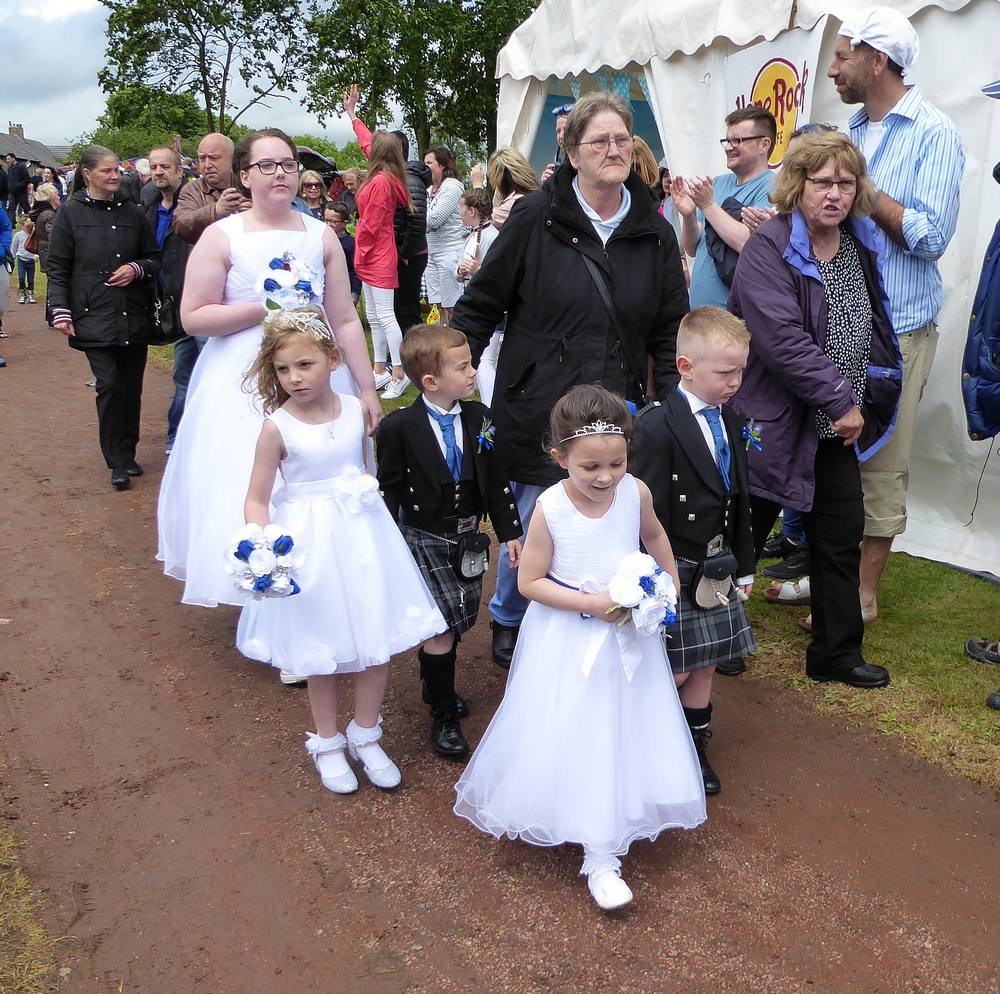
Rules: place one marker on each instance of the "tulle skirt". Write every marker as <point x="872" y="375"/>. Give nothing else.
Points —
<point x="363" y="598"/>
<point x="597" y="760"/>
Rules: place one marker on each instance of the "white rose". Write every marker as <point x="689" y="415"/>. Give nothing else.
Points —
<point x="272" y="533"/>
<point x="665" y="591"/>
<point x="282" y="585"/>
<point x="648" y="616"/>
<point x="249" y="533"/>
<point x="625" y="590"/>
<point x="262" y="562"/>
<point x="637" y="564"/>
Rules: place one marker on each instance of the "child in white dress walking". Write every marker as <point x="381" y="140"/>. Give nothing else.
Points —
<point x="589" y="745"/>
<point x="362" y="597"/>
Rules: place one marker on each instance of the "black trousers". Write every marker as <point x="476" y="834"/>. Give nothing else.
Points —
<point x="834" y="529"/>
<point x="118" y="370"/>
<point x="406" y="299"/>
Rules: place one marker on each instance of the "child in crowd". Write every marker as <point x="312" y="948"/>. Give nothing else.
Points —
<point x="691" y="453"/>
<point x="337" y="216"/>
<point x="476" y="210"/>
<point x="25" y="263"/>
<point x="589" y="744"/>
<point x="362" y="598"/>
<point x="440" y="474"/>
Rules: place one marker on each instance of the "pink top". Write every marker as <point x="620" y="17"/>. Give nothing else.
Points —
<point x="375" y="255"/>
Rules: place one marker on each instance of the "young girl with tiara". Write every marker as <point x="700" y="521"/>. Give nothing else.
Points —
<point x="362" y="598"/>
<point x="589" y="745"/>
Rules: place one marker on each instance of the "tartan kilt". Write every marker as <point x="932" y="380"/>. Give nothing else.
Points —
<point x="457" y="599"/>
<point x="703" y="637"/>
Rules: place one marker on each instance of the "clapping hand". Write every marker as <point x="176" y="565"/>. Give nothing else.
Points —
<point x="701" y="191"/>
<point x="754" y="217"/>
<point x="681" y="197"/>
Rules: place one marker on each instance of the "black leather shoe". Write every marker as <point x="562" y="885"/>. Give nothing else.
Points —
<point x="461" y="708"/>
<point x="446" y="735"/>
<point x="504" y="640"/>
<point x="3" y="362"/>
<point x="867" y="676"/>
<point x="120" y="479"/>
<point x="134" y="469"/>
<point x="731" y="667"/>
<point x="708" y="775"/>
<point x="777" y="547"/>
<point x="791" y="567"/>
<point x="993" y="701"/>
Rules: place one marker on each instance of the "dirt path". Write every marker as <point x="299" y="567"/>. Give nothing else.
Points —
<point x="182" y="844"/>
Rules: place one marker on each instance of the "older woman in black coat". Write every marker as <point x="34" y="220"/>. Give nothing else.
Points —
<point x="589" y="243"/>
<point x="101" y="266"/>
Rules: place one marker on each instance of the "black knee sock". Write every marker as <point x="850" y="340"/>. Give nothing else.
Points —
<point x="698" y="717"/>
<point x="438" y="669"/>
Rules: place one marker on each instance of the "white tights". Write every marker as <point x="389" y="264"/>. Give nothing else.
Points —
<point x="386" y="333"/>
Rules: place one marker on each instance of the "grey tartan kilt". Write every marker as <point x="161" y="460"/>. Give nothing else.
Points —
<point x="701" y="637"/>
<point x="458" y="600"/>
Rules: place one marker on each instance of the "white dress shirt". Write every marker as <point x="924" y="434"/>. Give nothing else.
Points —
<point x="436" y="428"/>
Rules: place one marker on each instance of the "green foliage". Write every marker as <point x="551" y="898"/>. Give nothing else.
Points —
<point x="435" y="58"/>
<point x="347" y="156"/>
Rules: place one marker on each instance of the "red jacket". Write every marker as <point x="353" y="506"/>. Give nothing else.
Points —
<point x="375" y="257"/>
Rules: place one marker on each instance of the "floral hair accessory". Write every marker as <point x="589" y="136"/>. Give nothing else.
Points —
<point x="751" y="435"/>
<point x="288" y="283"/>
<point x="308" y="320"/>
<point x="487" y="436"/>
<point x="599" y="427"/>
<point x="262" y="563"/>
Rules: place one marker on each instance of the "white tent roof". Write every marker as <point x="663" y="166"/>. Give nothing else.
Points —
<point x="569" y="37"/>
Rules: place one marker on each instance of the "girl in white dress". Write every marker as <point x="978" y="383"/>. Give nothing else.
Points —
<point x="585" y="748"/>
<point x="201" y="497"/>
<point x="362" y="598"/>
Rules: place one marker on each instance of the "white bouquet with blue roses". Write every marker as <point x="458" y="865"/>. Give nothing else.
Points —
<point x="264" y="562"/>
<point x="645" y="591"/>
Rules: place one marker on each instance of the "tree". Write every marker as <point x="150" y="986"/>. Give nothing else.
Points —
<point x="435" y="58"/>
<point x="203" y="47"/>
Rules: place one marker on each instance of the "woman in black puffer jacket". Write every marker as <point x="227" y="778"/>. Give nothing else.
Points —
<point x="101" y="267"/>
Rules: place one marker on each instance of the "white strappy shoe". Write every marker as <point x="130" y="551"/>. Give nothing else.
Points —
<point x="331" y="762"/>
<point x="381" y="771"/>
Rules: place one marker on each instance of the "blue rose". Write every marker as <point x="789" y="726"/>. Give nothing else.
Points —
<point x="282" y="545"/>
<point x="271" y="285"/>
<point x="669" y="617"/>
<point x="262" y="583"/>
<point x="647" y="584"/>
<point x="244" y="549"/>
<point x="304" y="286"/>
<point x="296" y="589"/>
<point x="276" y="264"/>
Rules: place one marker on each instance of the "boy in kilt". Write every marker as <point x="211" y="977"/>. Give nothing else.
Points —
<point x="439" y="474"/>
<point x="691" y="451"/>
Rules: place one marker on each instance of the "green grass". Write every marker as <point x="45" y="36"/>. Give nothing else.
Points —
<point x="936" y="702"/>
<point x="26" y="952"/>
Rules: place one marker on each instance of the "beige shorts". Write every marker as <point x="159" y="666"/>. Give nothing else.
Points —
<point x="886" y="476"/>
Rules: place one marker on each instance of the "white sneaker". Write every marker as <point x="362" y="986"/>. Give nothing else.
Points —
<point x="362" y="743"/>
<point x="608" y="889"/>
<point x="331" y="762"/>
<point x="396" y="389"/>
<point x="291" y="680"/>
<point x="382" y="379"/>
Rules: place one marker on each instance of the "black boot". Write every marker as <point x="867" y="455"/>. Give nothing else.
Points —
<point x="446" y="733"/>
<point x="698" y="720"/>
<point x="504" y="640"/>
<point x="461" y="707"/>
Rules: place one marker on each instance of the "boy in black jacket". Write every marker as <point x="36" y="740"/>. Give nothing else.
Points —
<point x="691" y="453"/>
<point x="440" y="475"/>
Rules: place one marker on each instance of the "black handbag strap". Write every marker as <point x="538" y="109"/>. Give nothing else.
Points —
<point x="605" y="294"/>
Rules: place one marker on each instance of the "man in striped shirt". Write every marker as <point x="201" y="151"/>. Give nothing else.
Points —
<point x="915" y="159"/>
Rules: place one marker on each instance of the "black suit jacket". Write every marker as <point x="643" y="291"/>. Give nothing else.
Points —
<point x="414" y="476"/>
<point x="670" y="455"/>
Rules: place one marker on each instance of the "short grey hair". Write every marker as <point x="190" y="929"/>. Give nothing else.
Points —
<point x="587" y="108"/>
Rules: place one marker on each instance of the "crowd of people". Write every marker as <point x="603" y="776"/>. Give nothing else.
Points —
<point x="641" y="425"/>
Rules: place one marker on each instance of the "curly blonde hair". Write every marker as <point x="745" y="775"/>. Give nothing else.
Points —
<point x="280" y="329"/>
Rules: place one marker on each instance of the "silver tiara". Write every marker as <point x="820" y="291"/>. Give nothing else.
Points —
<point x="595" y="428"/>
<point x="307" y="322"/>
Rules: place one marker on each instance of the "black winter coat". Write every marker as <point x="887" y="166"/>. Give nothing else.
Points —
<point x="90" y="240"/>
<point x="559" y="333"/>
<point x="411" y="226"/>
<point x="173" y="260"/>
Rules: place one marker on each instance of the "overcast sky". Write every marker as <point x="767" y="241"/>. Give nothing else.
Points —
<point x="53" y="52"/>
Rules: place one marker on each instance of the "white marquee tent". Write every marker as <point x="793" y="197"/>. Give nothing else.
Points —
<point x="675" y="54"/>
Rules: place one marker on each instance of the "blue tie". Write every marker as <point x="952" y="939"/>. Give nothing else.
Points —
<point x="453" y="454"/>
<point x="722" y="453"/>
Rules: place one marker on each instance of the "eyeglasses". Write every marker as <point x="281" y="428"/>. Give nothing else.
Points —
<point x="846" y="186"/>
<point x="268" y="167"/>
<point x="736" y="142"/>
<point x="603" y="144"/>
<point x="319" y="185"/>
<point x="334" y="221"/>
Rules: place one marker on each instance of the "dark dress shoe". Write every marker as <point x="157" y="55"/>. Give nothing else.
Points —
<point x="777" y="547"/>
<point x="446" y="735"/>
<point x="504" y="640"/>
<point x="134" y="469"/>
<point x="993" y="701"/>
<point x="731" y="667"/>
<point x="461" y="708"/>
<point x="120" y="478"/>
<point x="3" y="362"/>
<point x="709" y="777"/>
<point x="791" y="567"/>
<point x="867" y="676"/>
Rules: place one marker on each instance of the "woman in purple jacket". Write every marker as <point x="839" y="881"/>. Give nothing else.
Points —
<point x="822" y="382"/>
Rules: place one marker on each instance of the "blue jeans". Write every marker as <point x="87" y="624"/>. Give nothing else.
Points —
<point x="26" y="274"/>
<point x="507" y="605"/>
<point x="185" y="353"/>
<point x="792" y="526"/>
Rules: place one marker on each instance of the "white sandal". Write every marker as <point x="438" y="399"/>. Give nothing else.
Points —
<point x="331" y="762"/>
<point x="363" y="745"/>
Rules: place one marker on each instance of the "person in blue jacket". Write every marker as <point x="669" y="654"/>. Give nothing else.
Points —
<point x="6" y="237"/>
<point x="981" y="381"/>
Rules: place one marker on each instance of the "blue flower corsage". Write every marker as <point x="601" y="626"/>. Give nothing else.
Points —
<point x="751" y="435"/>
<point x="487" y="436"/>
<point x="287" y="284"/>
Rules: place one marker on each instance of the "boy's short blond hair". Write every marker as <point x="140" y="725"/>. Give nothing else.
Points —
<point x="710" y="326"/>
<point x="423" y="349"/>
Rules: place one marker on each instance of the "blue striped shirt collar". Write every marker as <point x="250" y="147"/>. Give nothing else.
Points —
<point x="908" y="106"/>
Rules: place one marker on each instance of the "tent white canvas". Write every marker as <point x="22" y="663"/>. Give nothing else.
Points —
<point x="677" y="53"/>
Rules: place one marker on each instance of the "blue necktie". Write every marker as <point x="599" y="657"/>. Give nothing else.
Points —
<point x="722" y="453"/>
<point x="453" y="454"/>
